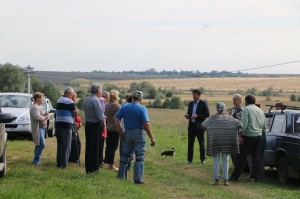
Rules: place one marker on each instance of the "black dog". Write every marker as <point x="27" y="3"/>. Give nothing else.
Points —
<point x="168" y="153"/>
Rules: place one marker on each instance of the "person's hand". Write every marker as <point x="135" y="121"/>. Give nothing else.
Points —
<point x="194" y="116"/>
<point x="122" y="136"/>
<point x="153" y="142"/>
<point x="241" y="141"/>
<point x="187" y="116"/>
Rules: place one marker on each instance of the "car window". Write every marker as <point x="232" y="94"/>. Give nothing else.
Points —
<point x="269" y="119"/>
<point x="16" y="101"/>
<point x="296" y="123"/>
<point x="279" y="124"/>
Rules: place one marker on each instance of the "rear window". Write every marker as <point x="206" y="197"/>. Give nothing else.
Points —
<point x="296" y="124"/>
<point x="15" y="101"/>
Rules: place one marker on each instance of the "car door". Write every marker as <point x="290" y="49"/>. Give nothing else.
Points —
<point x="274" y="136"/>
<point x="291" y="142"/>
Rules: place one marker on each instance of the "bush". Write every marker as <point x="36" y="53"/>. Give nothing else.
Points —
<point x="293" y="98"/>
<point x="176" y="103"/>
<point x="157" y="102"/>
<point x="166" y="103"/>
<point x="169" y="94"/>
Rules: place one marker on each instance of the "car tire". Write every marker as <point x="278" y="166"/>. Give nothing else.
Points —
<point x="51" y="132"/>
<point x="283" y="170"/>
<point x="3" y="160"/>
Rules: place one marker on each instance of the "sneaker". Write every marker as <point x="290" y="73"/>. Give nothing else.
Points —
<point x="215" y="183"/>
<point x="203" y="162"/>
<point x="138" y="182"/>
<point x="226" y="183"/>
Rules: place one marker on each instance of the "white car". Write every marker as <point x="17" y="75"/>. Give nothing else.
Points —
<point x="18" y="104"/>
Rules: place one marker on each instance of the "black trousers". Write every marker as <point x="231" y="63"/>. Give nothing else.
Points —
<point x="112" y="143"/>
<point x="75" y="148"/>
<point x="193" y="132"/>
<point x="92" y="137"/>
<point x="101" y="147"/>
<point x="250" y="145"/>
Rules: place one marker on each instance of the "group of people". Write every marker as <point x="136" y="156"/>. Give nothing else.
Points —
<point x="239" y="134"/>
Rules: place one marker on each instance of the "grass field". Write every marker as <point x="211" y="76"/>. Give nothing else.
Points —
<point x="165" y="177"/>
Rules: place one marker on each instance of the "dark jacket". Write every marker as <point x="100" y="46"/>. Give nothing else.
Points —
<point x="202" y="111"/>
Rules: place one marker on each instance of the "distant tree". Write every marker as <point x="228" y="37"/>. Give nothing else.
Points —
<point x="80" y="103"/>
<point x="108" y="87"/>
<point x="152" y="92"/>
<point x="81" y="93"/>
<point x="252" y="91"/>
<point x="36" y="85"/>
<point x="176" y="103"/>
<point x="134" y="87"/>
<point x="51" y="92"/>
<point x="293" y="98"/>
<point x="11" y="78"/>
<point x="298" y="99"/>
<point x="268" y="92"/>
<point x="166" y="103"/>
<point x="157" y="102"/>
<point x="169" y="94"/>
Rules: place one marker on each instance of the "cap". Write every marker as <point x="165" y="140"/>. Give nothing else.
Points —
<point x="138" y="94"/>
<point x="220" y="106"/>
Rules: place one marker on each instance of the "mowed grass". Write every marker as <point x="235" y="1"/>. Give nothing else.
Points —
<point x="165" y="177"/>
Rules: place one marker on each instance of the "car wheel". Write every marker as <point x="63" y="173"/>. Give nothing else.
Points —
<point x="51" y="132"/>
<point x="283" y="170"/>
<point x="3" y="160"/>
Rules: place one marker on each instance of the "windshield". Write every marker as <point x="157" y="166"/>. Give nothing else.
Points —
<point x="16" y="101"/>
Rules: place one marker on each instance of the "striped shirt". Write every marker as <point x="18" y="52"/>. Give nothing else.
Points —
<point x="64" y="112"/>
<point x="222" y="134"/>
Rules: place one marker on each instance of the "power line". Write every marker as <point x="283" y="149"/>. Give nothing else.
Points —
<point x="266" y="66"/>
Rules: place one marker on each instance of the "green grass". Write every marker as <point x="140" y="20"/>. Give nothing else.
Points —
<point x="165" y="177"/>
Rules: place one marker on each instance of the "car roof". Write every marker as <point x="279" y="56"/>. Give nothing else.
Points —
<point x="285" y="111"/>
<point x="21" y="94"/>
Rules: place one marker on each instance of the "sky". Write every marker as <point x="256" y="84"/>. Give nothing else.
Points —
<point x="123" y="35"/>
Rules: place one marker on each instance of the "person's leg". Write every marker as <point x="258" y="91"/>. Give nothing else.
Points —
<point x="225" y="163"/>
<point x="39" y="148"/>
<point x="111" y="148"/>
<point x="261" y="168"/>
<point x="216" y="157"/>
<point x="191" y="141"/>
<point x="139" y="138"/>
<point x="241" y="158"/>
<point x="127" y="148"/>
<point x="66" y="139"/>
<point x="92" y="132"/>
<point x="201" y="141"/>
<point x="255" y="153"/>
<point x="59" y="151"/>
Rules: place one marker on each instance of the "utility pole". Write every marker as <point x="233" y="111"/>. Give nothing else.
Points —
<point x="28" y="71"/>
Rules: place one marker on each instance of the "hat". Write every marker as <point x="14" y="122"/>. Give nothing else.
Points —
<point x="138" y="94"/>
<point x="220" y="106"/>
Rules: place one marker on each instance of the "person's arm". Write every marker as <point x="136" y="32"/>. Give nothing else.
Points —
<point x="118" y="126"/>
<point x="244" y="121"/>
<point x="203" y="114"/>
<point x="36" y="115"/>
<point x="147" y="128"/>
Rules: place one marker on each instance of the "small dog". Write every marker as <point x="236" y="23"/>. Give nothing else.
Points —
<point x="168" y="153"/>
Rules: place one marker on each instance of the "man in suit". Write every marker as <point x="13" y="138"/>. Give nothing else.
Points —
<point x="197" y="112"/>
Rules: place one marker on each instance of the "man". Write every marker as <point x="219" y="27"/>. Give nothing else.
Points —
<point x="136" y="121"/>
<point x="93" y="127"/>
<point x="197" y="112"/>
<point x="65" y="114"/>
<point x="254" y="123"/>
<point x="222" y="136"/>
<point x="236" y="112"/>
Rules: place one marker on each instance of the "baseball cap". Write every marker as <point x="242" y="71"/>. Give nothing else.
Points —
<point x="138" y="94"/>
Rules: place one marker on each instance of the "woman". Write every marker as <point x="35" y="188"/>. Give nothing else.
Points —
<point x="75" y="144"/>
<point x="112" y="140"/>
<point x="38" y="126"/>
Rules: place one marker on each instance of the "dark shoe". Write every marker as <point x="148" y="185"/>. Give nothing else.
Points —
<point x="232" y="179"/>
<point x="138" y="182"/>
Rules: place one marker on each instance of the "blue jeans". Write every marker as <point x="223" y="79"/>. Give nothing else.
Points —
<point x="39" y="148"/>
<point x="134" y="141"/>
<point x="225" y="163"/>
<point x="64" y="139"/>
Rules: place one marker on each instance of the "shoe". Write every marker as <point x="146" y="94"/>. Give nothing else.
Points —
<point x="226" y="183"/>
<point x="138" y="182"/>
<point x="215" y="183"/>
<point x="203" y="162"/>
<point x="113" y="168"/>
<point x="188" y="162"/>
<point x="233" y="179"/>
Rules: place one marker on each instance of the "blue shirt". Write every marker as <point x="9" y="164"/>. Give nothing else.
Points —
<point x="194" y="109"/>
<point x="133" y="115"/>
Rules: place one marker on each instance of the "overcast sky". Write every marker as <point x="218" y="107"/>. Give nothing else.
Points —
<point x="117" y="35"/>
